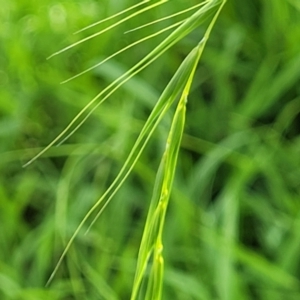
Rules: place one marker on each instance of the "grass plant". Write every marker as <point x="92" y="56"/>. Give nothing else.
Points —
<point x="215" y="132"/>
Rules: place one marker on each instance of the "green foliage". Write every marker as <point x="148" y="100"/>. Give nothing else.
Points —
<point x="232" y="227"/>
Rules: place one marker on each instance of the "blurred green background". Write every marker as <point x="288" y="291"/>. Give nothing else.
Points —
<point x="233" y="225"/>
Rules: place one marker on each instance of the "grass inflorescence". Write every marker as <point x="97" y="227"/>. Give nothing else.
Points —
<point x="189" y="146"/>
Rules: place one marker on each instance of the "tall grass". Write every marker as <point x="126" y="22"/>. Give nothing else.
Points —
<point x="151" y="243"/>
<point x="223" y="216"/>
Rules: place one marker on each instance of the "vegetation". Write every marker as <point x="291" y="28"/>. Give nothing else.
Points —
<point x="210" y="205"/>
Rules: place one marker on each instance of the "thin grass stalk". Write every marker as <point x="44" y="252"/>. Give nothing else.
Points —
<point x="152" y="236"/>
